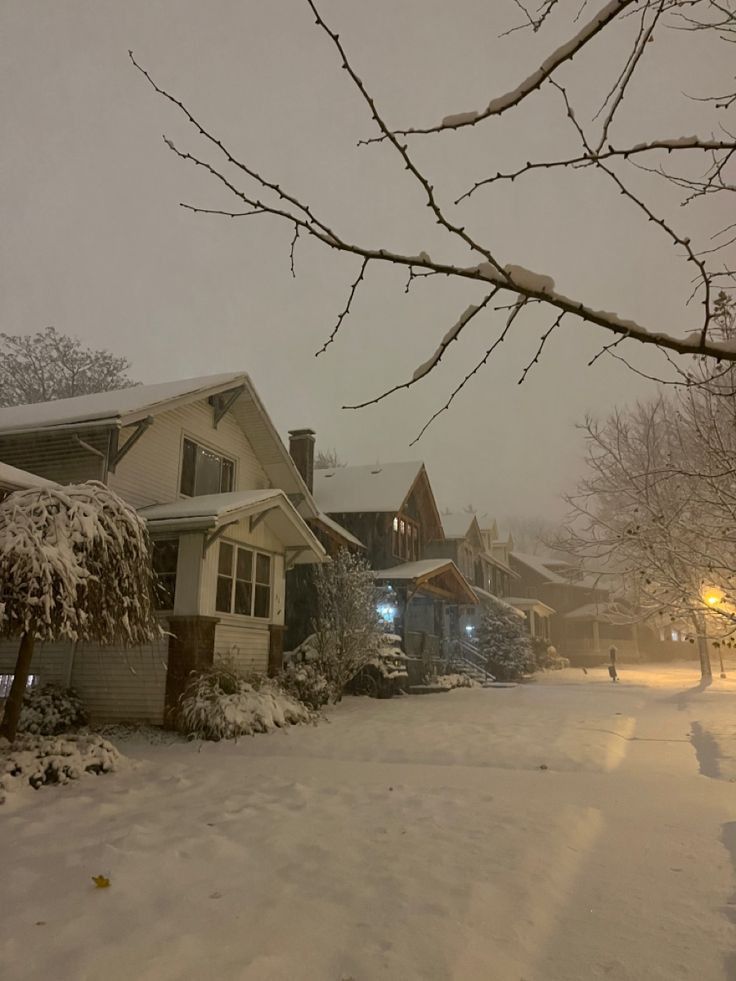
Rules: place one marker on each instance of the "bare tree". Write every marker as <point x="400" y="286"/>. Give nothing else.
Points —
<point x="656" y="512"/>
<point x="624" y="26"/>
<point x="328" y="460"/>
<point x="48" y="365"/>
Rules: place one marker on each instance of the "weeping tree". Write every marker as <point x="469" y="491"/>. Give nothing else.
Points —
<point x="74" y="565"/>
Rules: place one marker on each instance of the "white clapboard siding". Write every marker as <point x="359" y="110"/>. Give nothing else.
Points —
<point x="244" y="644"/>
<point x="150" y="472"/>
<point x="57" y="456"/>
<point x="51" y="663"/>
<point x="122" y="685"/>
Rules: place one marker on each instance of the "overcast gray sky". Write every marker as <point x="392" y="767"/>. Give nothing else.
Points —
<point x="94" y="241"/>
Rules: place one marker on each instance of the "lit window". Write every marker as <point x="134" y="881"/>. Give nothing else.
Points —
<point x="165" y="555"/>
<point x="204" y="472"/>
<point x="243" y="582"/>
<point x="396" y="524"/>
<point x="6" y="681"/>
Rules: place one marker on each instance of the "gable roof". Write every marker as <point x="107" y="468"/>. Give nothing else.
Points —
<point x="122" y="406"/>
<point x="440" y="576"/>
<point x="214" y="511"/>
<point x="537" y="564"/>
<point x="128" y="406"/>
<point x="457" y="525"/>
<point x="380" y="487"/>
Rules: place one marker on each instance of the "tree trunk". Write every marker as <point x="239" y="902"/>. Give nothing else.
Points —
<point x="706" y="671"/>
<point x="14" y="703"/>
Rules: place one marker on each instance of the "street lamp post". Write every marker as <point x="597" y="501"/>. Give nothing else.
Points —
<point x="713" y="597"/>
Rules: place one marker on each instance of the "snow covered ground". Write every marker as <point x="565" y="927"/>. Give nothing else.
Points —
<point x="417" y="838"/>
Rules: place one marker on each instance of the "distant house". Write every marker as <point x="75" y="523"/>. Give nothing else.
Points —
<point x="390" y="508"/>
<point x="227" y="510"/>
<point x="586" y="623"/>
<point x="489" y="576"/>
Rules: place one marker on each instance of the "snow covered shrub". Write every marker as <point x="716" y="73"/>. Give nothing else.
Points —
<point x="49" y="710"/>
<point x="347" y="629"/>
<point x="219" y="704"/>
<point x="504" y="643"/>
<point x="39" y="760"/>
<point x="306" y="683"/>
<point x="455" y="681"/>
<point x="546" y="657"/>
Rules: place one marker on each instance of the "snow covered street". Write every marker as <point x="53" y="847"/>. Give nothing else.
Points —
<point x="561" y="830"/>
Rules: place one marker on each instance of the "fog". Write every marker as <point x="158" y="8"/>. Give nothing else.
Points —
<point x="95" y="242"/>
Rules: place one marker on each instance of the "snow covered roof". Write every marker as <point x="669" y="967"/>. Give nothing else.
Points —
<point x="11" y="478"/>
<point x="325" y="519"/>
<point x="537" y="564"/>
<point x="213" y="511"/>
<point x="524" y="603"/>
<point x="423" y="571"/>
<point x="127" y="406"/>
<point x="592" y="611"/>
<point x="381" y="487"/>
<point x="486" y="597"/>
<point x="457" y="525"/>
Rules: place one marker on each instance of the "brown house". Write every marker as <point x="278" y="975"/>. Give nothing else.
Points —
<point x="391" y="509"/>
<point x="585" y="623"/>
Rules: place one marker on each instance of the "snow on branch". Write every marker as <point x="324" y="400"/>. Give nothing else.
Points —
<point x="75" y="564"/>
<point x="533" y="82"/>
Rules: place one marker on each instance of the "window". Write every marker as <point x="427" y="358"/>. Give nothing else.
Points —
<point x="204" y="471"/>
<point x="165" y="557"/>
<point x="243" y="582"/>
<point x="405" y="538"/>
<point x="6" y="680"/>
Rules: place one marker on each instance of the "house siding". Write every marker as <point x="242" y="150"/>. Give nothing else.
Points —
<point x="150" y="472"/>
<point x="57" y="456"/>
<point x="243" y="644"/>
<point x="115" y="685"/>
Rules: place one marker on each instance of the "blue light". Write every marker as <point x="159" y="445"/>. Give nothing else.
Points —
<point x="387" y="612"/>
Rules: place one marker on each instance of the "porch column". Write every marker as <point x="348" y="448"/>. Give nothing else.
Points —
<point x="191" y="648"/>
<point x="596" y="638"/>
<point x="275" y="648"/>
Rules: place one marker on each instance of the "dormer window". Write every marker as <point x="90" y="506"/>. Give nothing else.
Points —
<point x="204" y="472"/>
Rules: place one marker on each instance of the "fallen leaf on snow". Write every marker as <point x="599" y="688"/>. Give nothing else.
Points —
<point x="101" y="881"/>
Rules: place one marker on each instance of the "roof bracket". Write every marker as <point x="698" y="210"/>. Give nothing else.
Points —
<point x="210" y="539"/>
<point x="292" y="554"/>
<point x="121" y="451"/>
<point x="256" y="519"/>
<point x="223" y="402"/>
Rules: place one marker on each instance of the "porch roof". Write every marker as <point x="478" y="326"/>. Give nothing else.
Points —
<point x="592" y="611"/>
<point x="211" y="512"/>
<point x="489" y="599"/>
<point x="524" y="603"/>
<point x="438" y="577"/>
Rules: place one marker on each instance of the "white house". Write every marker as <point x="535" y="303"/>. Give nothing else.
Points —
<point x="227" y="511"/>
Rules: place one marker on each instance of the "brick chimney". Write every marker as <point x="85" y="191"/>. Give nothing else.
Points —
<point x="301" y="448"/>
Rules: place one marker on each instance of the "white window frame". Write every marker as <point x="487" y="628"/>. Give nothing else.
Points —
<point x="255" y="552"/>
<point x="215" y="450"/>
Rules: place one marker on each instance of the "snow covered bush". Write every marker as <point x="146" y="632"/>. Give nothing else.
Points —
<point x="49" y="710"/>
<point x="504" y="643"/>
<point x="306" y="683"/>
<point x="347" y="629"/>
<point x="74" y="564"/>
<point x="220" y="704"/>
<point x="455" y="681"/>
<point x="546" y="657"/>
<point x="39" y="760"/>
